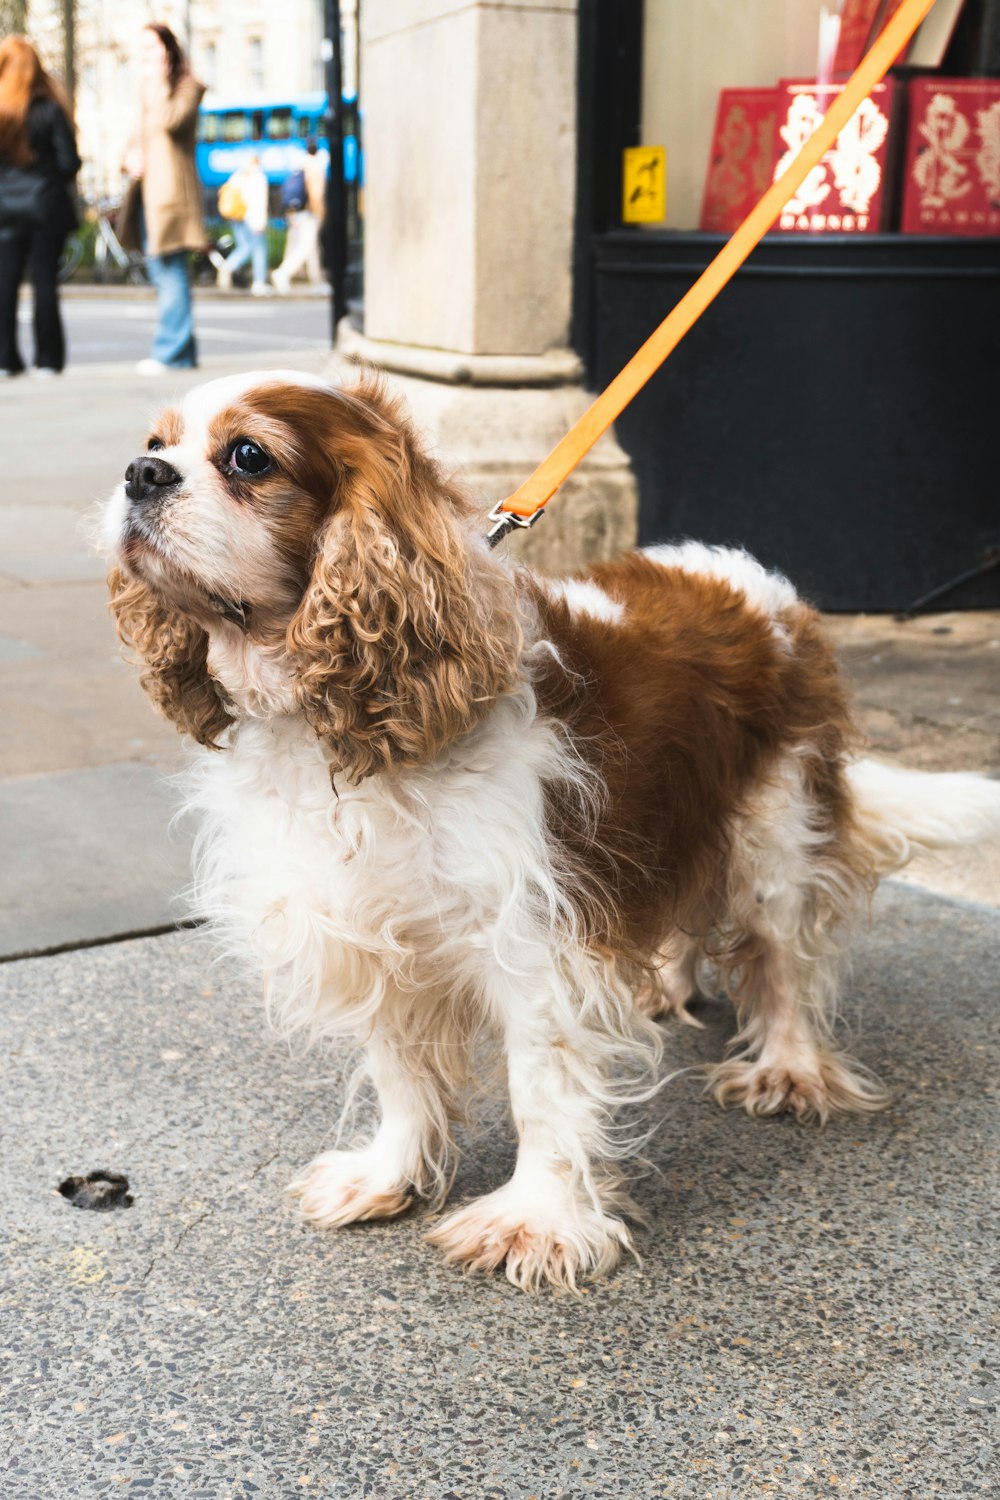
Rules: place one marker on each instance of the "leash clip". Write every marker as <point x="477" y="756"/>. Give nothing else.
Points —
<point x="506" y="521"/>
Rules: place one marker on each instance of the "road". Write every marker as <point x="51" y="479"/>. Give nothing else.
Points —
<point x="117" y="325"/>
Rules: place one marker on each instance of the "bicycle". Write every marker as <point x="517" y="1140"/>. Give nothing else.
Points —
<point x="112" y="262"/>
<point x="207" y="263"/>
<point x="72" y="255"/>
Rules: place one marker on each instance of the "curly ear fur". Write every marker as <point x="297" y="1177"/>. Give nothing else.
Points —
<point x="173" y="651"/>
<point x="406" y="633"/>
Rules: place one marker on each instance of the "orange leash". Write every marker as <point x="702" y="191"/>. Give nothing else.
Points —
<point x="525" y="505"/>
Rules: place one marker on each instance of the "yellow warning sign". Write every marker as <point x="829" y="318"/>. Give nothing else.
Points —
<point x="644" y="185"/>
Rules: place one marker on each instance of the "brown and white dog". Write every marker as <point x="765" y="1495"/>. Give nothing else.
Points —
<point x="442" y="800"/>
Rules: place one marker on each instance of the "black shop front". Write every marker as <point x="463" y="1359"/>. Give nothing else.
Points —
<point x="837" y="409"/>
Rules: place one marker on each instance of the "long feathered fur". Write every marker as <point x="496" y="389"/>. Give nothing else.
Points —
<point x="172" y="651"/>
<point x="405" y="636"/>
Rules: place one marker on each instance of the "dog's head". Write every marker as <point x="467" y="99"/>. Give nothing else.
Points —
<point x="305" y="525"/>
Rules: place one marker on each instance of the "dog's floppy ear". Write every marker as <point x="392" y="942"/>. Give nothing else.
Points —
<point x="173" y="652"/>
<point x="406" y="634"/>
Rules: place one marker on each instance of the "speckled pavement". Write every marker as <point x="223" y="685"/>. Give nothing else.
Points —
<point x="811" y="1318"/>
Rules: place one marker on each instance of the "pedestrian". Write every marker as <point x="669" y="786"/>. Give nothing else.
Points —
<point x="243" y="201"/>
<point x="162" y="210"/>
<point x="305" y="203"/>
<point x="38" y="162"/>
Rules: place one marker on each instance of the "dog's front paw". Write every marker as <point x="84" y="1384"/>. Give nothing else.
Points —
<point x="343" y="1187"/>
<point x="812" y="1087"/>
<point x="537" y="1245"/>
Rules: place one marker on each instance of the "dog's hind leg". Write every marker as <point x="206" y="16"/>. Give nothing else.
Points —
<point x="672" y="982"/>
<point x="793" y="888"/>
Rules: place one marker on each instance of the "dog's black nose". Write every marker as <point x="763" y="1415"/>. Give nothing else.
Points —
<point x="148" y="476"/>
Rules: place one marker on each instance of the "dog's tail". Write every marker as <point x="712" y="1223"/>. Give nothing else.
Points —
<point x="904" y="813"/>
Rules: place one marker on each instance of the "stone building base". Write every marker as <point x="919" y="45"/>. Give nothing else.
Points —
<point x="491" y="419"/>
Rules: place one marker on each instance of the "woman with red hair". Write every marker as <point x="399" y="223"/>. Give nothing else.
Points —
<point x="38" y="162"/>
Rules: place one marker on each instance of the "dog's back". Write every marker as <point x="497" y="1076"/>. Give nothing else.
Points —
<point x="690" y="685"/>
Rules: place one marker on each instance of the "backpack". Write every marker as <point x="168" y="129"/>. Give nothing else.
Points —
<point x="232" y="204"/>
<point x="293" y="191"/>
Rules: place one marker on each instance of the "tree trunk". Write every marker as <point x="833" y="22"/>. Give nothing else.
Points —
<point x="69" y="48"/>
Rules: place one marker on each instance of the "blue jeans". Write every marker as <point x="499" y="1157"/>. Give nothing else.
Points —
<point x="251" y="244"/>
<point x="173" y="342"/>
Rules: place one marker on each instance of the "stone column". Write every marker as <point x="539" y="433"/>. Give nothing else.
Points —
<point x="470" y="159"/>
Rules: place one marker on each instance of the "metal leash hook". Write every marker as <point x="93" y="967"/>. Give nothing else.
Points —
<point x="506" y="521"/>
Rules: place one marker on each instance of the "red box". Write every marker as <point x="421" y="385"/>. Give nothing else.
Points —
<point x="952" y="171"/>
<point x="739" y="167"/>
<point x="856" y="22"/>
<point x="845" y="193"/>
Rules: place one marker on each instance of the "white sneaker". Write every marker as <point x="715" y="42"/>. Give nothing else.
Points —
<point x="261" y="289"/>
<point x="280" y="282"/>
<point x="44" y="372"/>
<point x="152" y="367"/>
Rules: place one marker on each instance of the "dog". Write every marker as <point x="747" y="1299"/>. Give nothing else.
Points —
<point x="444" y="802"/>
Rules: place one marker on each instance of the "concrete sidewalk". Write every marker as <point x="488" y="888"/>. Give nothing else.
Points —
<point x="811" y="1316"/>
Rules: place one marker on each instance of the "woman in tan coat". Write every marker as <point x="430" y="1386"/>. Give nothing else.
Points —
<point x="161" y="162"/>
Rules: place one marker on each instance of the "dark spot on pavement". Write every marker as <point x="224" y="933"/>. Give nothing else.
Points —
<point x="98" y="1190"/>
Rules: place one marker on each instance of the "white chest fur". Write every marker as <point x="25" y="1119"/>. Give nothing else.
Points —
<point x="412" y="881"/>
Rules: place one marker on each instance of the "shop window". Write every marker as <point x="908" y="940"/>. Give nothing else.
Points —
<point x="732" y="90"/>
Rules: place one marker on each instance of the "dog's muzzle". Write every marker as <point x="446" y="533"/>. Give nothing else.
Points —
<point x="147" y="477"/>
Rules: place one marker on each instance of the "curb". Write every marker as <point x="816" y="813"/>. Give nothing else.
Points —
<point x="84" y="292"/>
<point x="292" y="358"/>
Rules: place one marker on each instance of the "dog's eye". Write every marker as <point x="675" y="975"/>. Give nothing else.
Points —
<point x="248" y="458"/>
<point x="154" y="445"/>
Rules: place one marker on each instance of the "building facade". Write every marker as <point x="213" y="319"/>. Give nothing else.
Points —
<point x="238" y="48"/>
<point x="833" y="410"/>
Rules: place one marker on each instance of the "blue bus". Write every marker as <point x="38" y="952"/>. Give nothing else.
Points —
<point x="275" y="128"/>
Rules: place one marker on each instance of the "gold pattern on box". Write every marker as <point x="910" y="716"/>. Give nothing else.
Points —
<point x="850" y="168"/>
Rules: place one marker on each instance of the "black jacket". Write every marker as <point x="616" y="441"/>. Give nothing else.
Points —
<point x="43" y="190"/>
